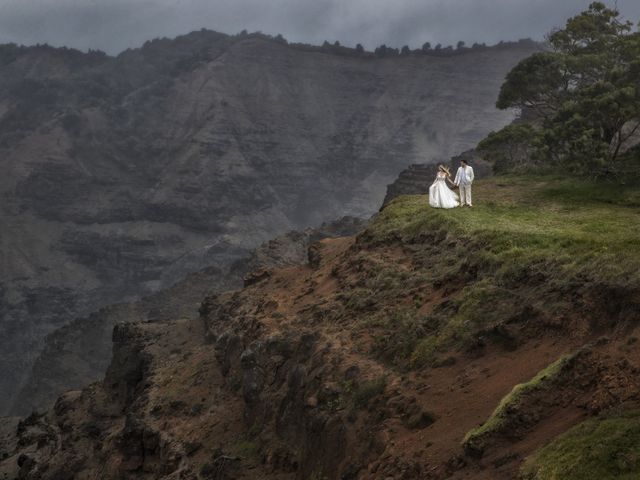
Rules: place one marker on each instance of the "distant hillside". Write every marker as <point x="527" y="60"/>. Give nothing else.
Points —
<point x="122" y="174"/>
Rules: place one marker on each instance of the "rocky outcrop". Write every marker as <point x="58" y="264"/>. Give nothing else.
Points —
<point x="79" y="353"/>
<point x="133" y="424"/>
<point x="292" y="248"/>
<point x="100" y="430"/>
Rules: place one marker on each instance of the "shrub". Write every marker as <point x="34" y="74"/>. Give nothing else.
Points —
<point x="368" y="390"/>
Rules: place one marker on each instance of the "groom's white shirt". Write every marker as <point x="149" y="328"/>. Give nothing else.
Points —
<point x="464" y="176"/>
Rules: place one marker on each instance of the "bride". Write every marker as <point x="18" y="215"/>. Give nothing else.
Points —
<point x="440" y="195"/>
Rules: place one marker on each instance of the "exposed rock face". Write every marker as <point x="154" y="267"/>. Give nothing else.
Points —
<point x="292" y="248"/>
<point x="113" y="168"/>
<point x="79" y="353"/>
<point x="417" y="178"/>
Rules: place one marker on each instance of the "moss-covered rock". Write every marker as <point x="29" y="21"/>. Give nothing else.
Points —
<point x="509" y="407"/>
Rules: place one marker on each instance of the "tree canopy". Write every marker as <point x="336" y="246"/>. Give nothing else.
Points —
<point x="585" y="90"/>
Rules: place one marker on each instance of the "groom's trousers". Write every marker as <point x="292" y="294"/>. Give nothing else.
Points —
<point x="465" y="195"/>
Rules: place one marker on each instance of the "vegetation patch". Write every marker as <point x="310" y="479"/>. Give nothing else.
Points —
<point x="358" y="395"/>
<point x="368" y="390"/>
<point x="400" y="336"/>
<point x="532" y="229"/>
<point x="409" y="339"/>
<point x="246" y="449"/>
<point x="597" y="449"/>
<point x="474" y="440"/>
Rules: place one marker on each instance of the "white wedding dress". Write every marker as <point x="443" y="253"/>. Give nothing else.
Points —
<point x="440" y="195"/>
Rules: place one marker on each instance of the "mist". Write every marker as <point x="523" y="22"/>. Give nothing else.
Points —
<point x="114" y="25"/>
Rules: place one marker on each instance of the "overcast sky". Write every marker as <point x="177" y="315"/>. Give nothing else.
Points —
<point x="113" y="25"/>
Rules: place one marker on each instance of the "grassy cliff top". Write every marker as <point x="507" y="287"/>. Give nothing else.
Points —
<point x="577" y="223"/>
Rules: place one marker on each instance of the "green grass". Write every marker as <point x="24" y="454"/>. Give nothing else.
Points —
<point x="540" y="214"/>
<point x="509" y="405"/>
<point x="598" y="449"/>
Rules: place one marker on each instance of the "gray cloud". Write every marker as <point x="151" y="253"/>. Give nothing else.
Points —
<point x="114" y="25"/>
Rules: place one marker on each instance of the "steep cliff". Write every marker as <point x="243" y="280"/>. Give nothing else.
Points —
<point x="121" y="175"/>
<point x="79" y="353"/>
<point x="435" y="344"/>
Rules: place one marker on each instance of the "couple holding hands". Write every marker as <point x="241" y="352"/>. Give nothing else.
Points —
<point x="441" y="196"/>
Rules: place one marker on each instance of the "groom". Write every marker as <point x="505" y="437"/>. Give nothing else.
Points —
<point x="464" y="179"/>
